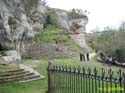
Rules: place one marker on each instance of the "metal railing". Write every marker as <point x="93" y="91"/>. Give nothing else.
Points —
<point x="63" y="79"/>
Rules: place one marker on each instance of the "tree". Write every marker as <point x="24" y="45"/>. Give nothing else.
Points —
<point x="111" y="42"/>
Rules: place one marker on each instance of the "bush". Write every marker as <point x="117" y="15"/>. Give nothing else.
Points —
<point x="120" y="55"/>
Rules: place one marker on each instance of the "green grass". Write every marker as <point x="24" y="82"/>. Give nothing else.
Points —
<point x="28" y="87"/>
<point x="7" y="67"/>
<point x="76" y="47"/>
<point x="50" y="33"/>
<point x="75" y="62"/>
<point x="41" y="67"/>
<point x="53" y="16"/>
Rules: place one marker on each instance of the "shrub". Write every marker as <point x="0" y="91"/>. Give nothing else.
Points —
<point x="53" y="17"/>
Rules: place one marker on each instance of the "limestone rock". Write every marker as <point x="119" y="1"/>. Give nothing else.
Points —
<point x="75" y="25"/>
<point x="63" y="20"/>
<point x="12" y="56"/>
<point x="20" y="20"/>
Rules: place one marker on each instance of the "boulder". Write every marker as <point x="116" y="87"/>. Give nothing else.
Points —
<point x="12" y="56"/>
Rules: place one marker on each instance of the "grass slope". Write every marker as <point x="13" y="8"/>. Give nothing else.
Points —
<point x="52" y="33"/>
<point x="9" y="67"/>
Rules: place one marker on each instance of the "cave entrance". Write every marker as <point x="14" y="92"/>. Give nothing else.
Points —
<point x="1" y="48"/>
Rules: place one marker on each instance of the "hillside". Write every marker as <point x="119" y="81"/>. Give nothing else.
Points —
<point x="52" y="43"/>
<point x="30" y="29"/>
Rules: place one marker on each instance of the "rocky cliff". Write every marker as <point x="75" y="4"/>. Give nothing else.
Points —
<point x="20" y="20"/>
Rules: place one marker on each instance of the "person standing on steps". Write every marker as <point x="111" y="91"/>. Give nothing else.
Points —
<point x="81" y="56"/>
<point x="87" y="56"/>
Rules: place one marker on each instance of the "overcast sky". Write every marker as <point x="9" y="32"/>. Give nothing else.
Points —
<point x="102" y="12"/>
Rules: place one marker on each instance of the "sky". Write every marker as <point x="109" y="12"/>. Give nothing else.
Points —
<point x="103" y="13"/>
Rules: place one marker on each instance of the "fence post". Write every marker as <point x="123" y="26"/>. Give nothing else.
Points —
<point x="120" y="79"/>
<point x="50" y="77"/>
<point x="124" y="81"/>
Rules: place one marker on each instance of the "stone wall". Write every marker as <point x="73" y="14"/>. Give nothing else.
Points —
<point x="39" y="50"/>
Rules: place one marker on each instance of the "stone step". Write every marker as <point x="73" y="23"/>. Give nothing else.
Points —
<point x="16" y="76"/>
<point x="13" y="73"/>
<point x="19" y="79"/>
<point x="24" y="74"/>
<point x="27" y="80"/>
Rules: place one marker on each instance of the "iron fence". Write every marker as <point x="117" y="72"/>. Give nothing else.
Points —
<point x="63" y="79"/>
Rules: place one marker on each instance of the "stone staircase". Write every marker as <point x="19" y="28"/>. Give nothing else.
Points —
<point x="20" y="75"/>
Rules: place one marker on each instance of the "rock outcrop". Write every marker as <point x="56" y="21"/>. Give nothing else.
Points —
<point x="78" y="27"/>
<point x="74" y="24"/>
<point x="63" y="20"/>
<point x="20" y="20"/>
